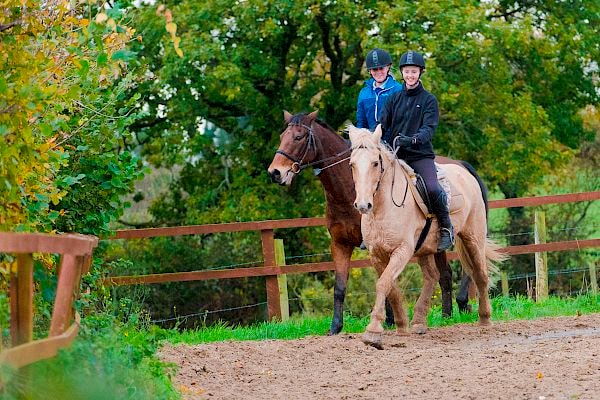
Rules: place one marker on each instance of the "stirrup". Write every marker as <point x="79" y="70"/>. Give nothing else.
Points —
<point x="443" y="246"/>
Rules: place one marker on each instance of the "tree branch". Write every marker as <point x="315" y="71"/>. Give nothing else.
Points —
<point x="10" y="25"/>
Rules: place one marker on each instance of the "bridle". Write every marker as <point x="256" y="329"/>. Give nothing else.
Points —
<point x="310" y="143"/>
<point x="381" y="172"/>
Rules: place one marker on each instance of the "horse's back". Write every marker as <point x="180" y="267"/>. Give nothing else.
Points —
<point x="462" y="182"/>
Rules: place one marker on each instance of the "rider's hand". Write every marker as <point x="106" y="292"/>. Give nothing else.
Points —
<point x="403" y="141"/>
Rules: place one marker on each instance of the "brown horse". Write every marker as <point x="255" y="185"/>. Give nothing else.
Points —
<point x="393" y="219"/>
<point x="308" y="142"/>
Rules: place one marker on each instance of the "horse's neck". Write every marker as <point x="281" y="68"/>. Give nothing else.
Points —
<point x="337" y="180"/>
<point x="393" y="187"/>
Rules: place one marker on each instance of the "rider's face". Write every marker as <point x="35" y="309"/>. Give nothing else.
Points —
<point x="410" y="74"/>
<point x="380" y="74"/>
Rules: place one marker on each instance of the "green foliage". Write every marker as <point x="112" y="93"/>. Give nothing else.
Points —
<point x="62" y="83"/>
<point x="108" y="360"/>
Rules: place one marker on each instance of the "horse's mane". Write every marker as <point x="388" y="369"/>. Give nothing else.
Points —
<point x="365" y="140"/>
<point x="297" y="120"/>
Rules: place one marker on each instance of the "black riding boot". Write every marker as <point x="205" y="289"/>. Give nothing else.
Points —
<point x="440" y="207"/>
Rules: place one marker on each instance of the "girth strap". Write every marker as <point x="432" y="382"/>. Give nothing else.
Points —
<point x="424" y="232"/>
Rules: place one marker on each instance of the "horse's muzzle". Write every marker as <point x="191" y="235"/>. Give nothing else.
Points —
<point x="276" y="177"/>
<point x="363" y="208"/>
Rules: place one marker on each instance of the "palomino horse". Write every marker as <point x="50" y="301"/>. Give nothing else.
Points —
<point x="392" y="221"/>
<point x="307" y="142"/>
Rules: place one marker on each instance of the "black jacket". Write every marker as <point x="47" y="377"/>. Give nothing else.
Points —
<point x="411" y="112"/>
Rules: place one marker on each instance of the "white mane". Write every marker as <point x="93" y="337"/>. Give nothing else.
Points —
<point x="363" y="138"/>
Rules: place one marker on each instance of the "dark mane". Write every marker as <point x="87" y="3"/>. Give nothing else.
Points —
<point x="297" y="119"/>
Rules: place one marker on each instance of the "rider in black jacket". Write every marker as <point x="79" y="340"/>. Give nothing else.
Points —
<point x="409" y="120"/>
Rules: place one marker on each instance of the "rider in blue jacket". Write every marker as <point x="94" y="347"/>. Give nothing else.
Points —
<point x="377" y="90"/>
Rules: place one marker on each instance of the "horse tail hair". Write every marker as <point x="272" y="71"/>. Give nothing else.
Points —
<point x="482" y="186"/>
<point x="493" y="256"/>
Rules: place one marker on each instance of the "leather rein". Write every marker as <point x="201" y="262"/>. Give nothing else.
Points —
<point x="299" y="165"/>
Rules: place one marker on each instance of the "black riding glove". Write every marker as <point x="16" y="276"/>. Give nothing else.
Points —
<point x="403" y="141"/>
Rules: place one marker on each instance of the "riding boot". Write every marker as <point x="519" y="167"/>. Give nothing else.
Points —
<point x="440" y="208"/>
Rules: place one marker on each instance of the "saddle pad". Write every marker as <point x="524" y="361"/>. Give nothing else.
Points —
<point x="455" y="199"/>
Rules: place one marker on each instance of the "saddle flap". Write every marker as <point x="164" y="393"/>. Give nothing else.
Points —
<point x="455" y="199"/>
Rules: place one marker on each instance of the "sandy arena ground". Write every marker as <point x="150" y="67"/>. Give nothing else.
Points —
<point x="550" y="358"/>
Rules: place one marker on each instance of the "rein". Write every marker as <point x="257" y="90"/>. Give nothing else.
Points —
<point x="298" y="165"/>
<point x="405" y="189"/>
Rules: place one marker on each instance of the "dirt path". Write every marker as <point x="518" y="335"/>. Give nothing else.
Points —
<point x="550" y="358"/>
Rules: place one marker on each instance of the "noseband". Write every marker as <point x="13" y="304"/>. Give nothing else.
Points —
<point x="310" y="143"/>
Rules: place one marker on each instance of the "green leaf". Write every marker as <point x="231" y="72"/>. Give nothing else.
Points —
<point x="102" y="59"/>
<point x="124" y="55"/>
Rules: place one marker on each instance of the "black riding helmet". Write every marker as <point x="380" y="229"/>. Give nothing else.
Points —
<point x="378" y="58"/>
<point x="412" y="58"/>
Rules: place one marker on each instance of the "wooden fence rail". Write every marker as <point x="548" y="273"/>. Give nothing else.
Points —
<point x="271" y="269"/>
<point x="75" y="258"/>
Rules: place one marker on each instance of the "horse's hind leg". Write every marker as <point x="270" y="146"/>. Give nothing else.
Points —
<point x="462" y="297"/>
<point x="431" y="276"/>
<point x="395" y="299"/>
<point x="441" y="261"/>
<point x="472" y="247"/>
<point x="341" y="258"/>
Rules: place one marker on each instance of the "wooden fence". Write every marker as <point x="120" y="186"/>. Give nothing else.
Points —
<point x="272" y="269"/>
<point x="75" y="258"/>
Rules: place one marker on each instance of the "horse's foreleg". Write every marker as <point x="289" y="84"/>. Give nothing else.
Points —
<point x="396" y="301"/>
<point x="395" y="266"/>
<point x="441" y="261"/>
<point x="341" y="258"/>
<point x="431" y="276"/>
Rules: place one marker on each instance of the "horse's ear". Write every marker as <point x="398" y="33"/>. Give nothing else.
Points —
<point x="287" y="116"/>
<point x="352" y="132"/>
<point x="313" y="115"/>
<point x="377" y="134"/>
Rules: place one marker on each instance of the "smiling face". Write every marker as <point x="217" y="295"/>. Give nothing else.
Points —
<point x="411" y="75"/>
<point x="380" y="74"/>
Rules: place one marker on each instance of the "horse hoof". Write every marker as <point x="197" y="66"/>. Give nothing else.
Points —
<point x="401" y="331"/>
<point x="485" y="322"/>
<point x="419" y="329"/>
<point x="373" y="339"/>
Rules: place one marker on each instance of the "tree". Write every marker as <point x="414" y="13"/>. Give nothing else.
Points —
<point x="215" y="113"/>
<point x="64" y="73"/>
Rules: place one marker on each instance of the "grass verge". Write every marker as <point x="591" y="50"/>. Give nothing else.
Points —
<point x="504" y="308"/>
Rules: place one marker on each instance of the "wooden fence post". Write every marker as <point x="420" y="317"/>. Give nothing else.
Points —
<point x="284" y="304"/>
<point x="21" y="304"/>
<point x="593" y="279"/>
<point x="268" y="247"/>
<point x="541" y="258"/>
<point x="504" y="280"/>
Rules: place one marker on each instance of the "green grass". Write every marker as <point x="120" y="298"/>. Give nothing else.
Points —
<point x="504" y="308"/>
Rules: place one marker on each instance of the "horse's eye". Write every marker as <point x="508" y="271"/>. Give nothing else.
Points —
<point x="375" y="164"/>
<point x="298" y="137"/>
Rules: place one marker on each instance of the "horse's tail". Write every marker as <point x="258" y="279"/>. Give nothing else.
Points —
<point x="482" y="186"/>
<point x="493" y="256"/>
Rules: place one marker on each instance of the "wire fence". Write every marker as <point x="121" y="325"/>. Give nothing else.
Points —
<point x="205" y="313"/>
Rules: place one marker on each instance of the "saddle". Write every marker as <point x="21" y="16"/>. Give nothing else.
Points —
<point x="419" y="191"/>
<point x="455" y="200"/>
